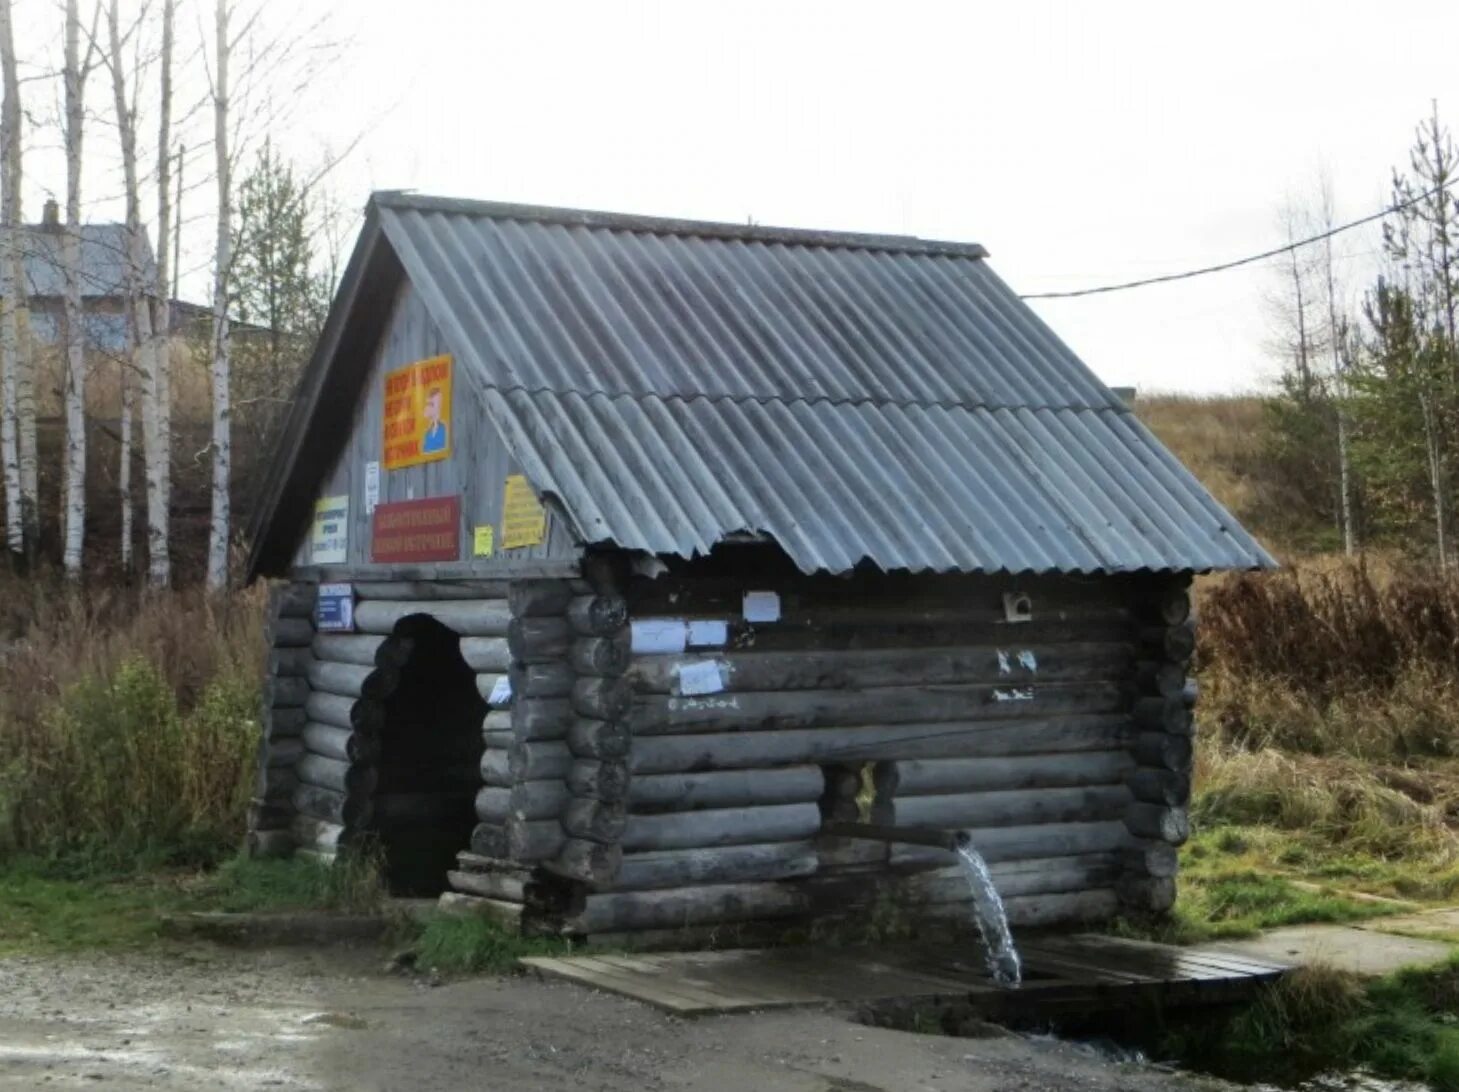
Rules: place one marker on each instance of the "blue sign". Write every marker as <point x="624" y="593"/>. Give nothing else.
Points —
<point x="334" y="610"/>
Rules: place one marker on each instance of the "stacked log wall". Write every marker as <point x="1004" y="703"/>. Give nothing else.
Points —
<point x="512" y="804"/>
<point x="289" y="633"/>
<point x="624" y="791"/>
<point x="1160" y="782"/>
<point x="1019" y="731"/>
<point x="351" y="677"/>
<point x="529" y="681"/>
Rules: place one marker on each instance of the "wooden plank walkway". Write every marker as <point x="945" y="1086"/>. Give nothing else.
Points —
<point x="1060" y="972"/>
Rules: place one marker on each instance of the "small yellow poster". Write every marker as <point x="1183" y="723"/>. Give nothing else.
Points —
<point x="482" y="541"/>
<point x="418" y="413"/>
<point x="524" y="520"/>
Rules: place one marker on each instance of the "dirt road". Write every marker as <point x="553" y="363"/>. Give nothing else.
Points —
<point x="206" y="1018"/>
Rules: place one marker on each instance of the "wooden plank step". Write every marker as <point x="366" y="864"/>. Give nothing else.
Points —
<point x="709" y="982"/>
<point x="1204" y="954"/>
<point x="1164" y="964"/>
<point x="1038" y="962"/>
<point x="1060" y="972"/>
<point x="670" y="996"/>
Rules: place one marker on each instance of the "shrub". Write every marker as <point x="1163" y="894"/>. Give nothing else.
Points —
<point x="128" y="724"/>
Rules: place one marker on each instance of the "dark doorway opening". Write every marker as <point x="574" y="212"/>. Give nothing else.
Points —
<point x="430" y="761"/>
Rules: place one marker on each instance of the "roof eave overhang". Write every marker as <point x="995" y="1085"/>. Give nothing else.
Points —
<point x="317" y="425"/>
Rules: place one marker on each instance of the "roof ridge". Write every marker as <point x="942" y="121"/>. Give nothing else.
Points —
<point x="799" y="400"/>
<point x="662" y="225"/>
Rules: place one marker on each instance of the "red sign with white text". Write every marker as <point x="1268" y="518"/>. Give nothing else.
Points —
<point x="417" y="530"/>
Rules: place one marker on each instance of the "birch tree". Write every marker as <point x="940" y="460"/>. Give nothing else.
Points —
<point x="162" y="317"/>
<point x="24" y="358"/>
<point x="74" y="75"/>
<point x="218" y="527"/>
<point x="11" y="288"/>
<point x="140" y="285"/>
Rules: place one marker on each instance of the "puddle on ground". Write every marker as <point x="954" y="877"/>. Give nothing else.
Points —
<point x="336" y="1020"/>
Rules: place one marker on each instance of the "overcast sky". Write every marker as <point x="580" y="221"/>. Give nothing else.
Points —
<point x="1081" y="143"/>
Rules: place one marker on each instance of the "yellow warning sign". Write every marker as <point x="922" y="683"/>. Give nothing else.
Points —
<point x="524" y="520"/>
<point x="418" y="413"/>
<point x="482" y="541"/>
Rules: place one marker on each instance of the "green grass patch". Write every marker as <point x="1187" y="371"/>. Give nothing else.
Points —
<point x="70" y="904"/>
<point x="1318" y="1020"/>
<point x="40" y="911"/>
<point x="1236" y="881"/>
<point x="471" y="944"/>
<point x="250" y="884"/>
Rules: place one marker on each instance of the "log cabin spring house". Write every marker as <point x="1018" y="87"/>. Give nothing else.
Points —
<point x="623" y="561"/>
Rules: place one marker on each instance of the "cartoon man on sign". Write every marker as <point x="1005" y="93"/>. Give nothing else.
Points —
<point x="434" y="439"/>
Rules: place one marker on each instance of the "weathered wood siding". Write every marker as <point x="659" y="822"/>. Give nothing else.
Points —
<point x="922" y="699"/>
<point x="476" y="469"/>
<point x="625" y="790"/>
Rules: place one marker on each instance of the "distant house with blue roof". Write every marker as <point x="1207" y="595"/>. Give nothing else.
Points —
<point x="103" y="280"/>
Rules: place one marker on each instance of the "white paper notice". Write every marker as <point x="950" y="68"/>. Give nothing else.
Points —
<point x="762" y="606"/>
<point x="701" y="677"/>
<point x="658" y="635"/>
<point x="708" y="633"/>
<point x="501" y="691"/>
<point x="372" y="487"/>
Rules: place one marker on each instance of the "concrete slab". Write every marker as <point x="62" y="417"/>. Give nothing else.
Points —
<point x="1363" y="951"/>
<point x="1436" y="924"/>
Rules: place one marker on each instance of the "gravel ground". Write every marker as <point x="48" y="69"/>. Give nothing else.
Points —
<point x="216" y="1018"/>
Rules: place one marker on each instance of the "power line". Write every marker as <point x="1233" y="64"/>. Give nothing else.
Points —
<point x="1239" y="262"/>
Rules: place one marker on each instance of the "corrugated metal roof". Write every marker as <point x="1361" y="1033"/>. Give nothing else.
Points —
<point x="906" y="486"/>
<point x="856" y="398"/>
<point x="569" y="307"/>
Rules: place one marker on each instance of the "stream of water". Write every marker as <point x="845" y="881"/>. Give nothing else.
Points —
<point x="992" y="922"/>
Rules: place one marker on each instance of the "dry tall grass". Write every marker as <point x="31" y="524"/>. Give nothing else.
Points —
<point x="128" y="721"/>
<point x="1334" y="661"/>
<point x="1218" y="439"/>
<point x="1330" y="705"/>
